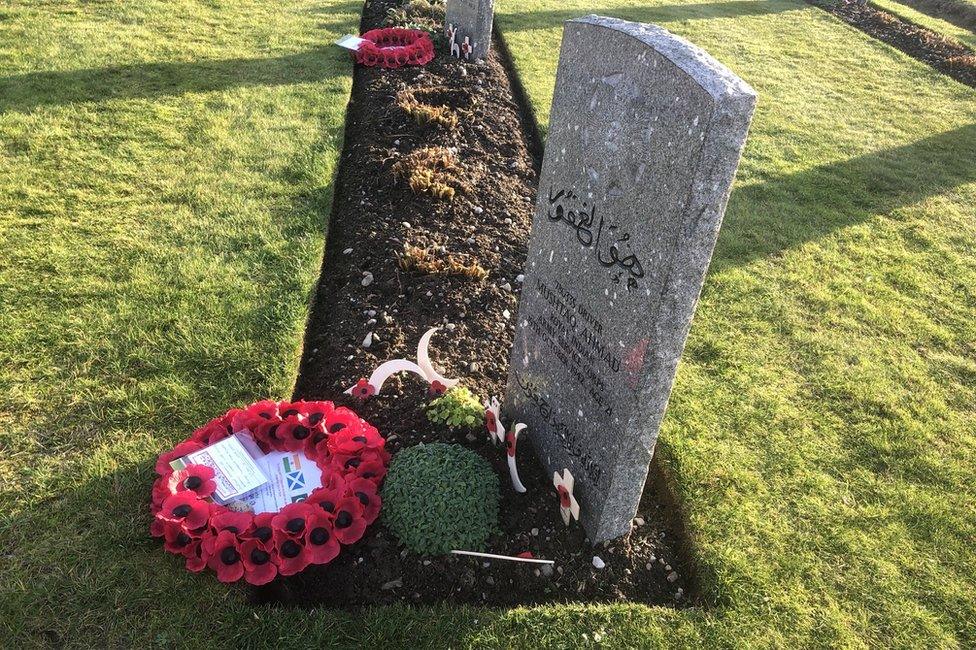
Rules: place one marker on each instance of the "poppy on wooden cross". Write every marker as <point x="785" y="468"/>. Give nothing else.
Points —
<point x="568" y="507"/>
<point x="493" y="421"/>
<point x="437" y="384"/>
<point x="511" y="438"/>
<point x="466" y="48"/>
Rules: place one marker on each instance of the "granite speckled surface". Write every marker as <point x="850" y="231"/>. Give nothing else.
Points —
<point x="645" y="136"/>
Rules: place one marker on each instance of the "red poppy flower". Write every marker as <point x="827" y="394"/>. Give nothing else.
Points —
<point x="363" y="389"/>
<point x="290" y="520"/>
<point x="342" y="419"/>
<point x="292" y="433"/>
<point x="185" y="508"/>
<point x="373" y="470"/>
<point x="163" y="467"/>
<point x="491" y="422"/>
<point x="222" y="519"/>
<point x="196" y="554"/>
<point x="320" y="540"/>
<point x="160" y="491"/>
<point x="177" y="538"/>
<point x="259" y="568"/>
<point x="213" y="431"/>
<point x="365" y="490"/>
<point x="326" y="498"/>
<point x="349" y="524"/>
<point x="352" y="440"/>
<point x="224" y="553"/>
<point x="195" y="478"/>
<point x="292" y="555"/>
<point x="563" y="496"/>
<point x="350" y="463"/>
<point x="255" y="415"/>
<point x="436" y="389"/>
<point x="262" y="531"/>
<point x="510" y="442"/>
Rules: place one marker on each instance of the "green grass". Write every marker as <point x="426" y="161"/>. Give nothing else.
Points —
<point x="821" y="427"/>
<point x="960" y="34"/>
<point x="164" y="178"/>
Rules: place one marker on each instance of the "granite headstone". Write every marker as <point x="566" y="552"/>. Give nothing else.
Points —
<point x="646" y="131"/>
<point x="467" y="25"/>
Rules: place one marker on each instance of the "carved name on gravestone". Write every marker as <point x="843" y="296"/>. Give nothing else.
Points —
<point x="645" y="135"/>
<point x="467" y="25"/>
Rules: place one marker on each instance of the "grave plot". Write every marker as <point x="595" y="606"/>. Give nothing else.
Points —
<point x="430" y="229"/>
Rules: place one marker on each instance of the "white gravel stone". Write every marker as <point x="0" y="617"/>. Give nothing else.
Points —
<point x="348" y="251"/>
<point x="535" y="532"/>
<point x="598" y="562"/>
<point x="520" y="278"/>
<point x="368" y="341"/>
<point x="367" y="278"/>
<point x="673" y="576"/>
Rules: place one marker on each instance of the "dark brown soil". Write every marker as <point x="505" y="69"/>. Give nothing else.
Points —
<point x="374" y="216"/>
<point x="945" y="55"/>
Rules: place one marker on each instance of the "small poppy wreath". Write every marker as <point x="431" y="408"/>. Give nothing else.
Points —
<point x="393" y="47"/>
<point x="349" y="451"/>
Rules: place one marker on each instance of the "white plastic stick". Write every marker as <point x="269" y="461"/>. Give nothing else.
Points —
<point x="511" y="558"/>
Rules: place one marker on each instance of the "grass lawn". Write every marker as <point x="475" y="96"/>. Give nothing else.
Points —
<point x="164" y="180"/>
<point x="961" y="34"/>
<point x="822" y="424"/>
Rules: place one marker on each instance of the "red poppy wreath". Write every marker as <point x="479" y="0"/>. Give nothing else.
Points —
<point x="350" y="454"/>
<point x="394" y="47"/>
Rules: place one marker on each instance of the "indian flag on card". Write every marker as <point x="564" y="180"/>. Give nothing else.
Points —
<point x="291" y="478"/>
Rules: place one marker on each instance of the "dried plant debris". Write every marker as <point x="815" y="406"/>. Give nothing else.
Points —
<point x="429" y="105"/>
<point x="421" y="260"/>
<point x="417" y="14"/>
<point x="432" y="170"/>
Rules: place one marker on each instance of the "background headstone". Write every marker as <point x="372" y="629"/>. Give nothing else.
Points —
<point x="645" y="136"/>
<point x="467" y="24"/>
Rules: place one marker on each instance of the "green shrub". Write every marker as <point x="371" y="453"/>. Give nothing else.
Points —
<point x="440" y="497"/>
<point x="457" y="407"/>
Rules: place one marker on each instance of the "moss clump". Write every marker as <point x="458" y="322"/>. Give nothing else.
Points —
<point x="457" y="407"/>
<point x="440" y="497"/>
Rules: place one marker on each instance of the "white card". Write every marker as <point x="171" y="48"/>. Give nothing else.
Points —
<point x="235" y="471"/>
<point x="350" y="42"/>
<point x="291" y="478"/>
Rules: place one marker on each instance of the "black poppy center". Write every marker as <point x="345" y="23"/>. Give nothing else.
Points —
<point x="181" y="511"/>
<point x="266" y="416"/>
<point x="263" y="533"/>
<point x="295" y="525"/>
<point x="319" y="536"/>
<point x="229" y="555"/>
<point x="183" y="539"/>
<point x="290" y="548"/>
<point x="368" y="474"/>
<point x="273" y="432"/>
<point x="260" y="557"/>
<point x="192" y="482"/>
<point x="289" y="413"/>
<point x="353" y="462"/>
<point x="344" y="520"/>
<point x="328" y="506"/>
<point x="338" y="426"/>
<point x="232" y="529"/>
<point x="315" y="418"/>
<point x="363" y="498"/>
<point x="300" y="432"/>
<point x="360" y="439"/>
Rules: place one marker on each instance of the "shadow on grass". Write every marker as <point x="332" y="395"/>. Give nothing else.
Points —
<point x="524" y="21"/>
<point x="28" y="91"/>
<point x="767" y="217"/>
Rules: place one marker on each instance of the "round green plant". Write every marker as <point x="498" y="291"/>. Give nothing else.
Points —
<point x="440" y="497"/>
